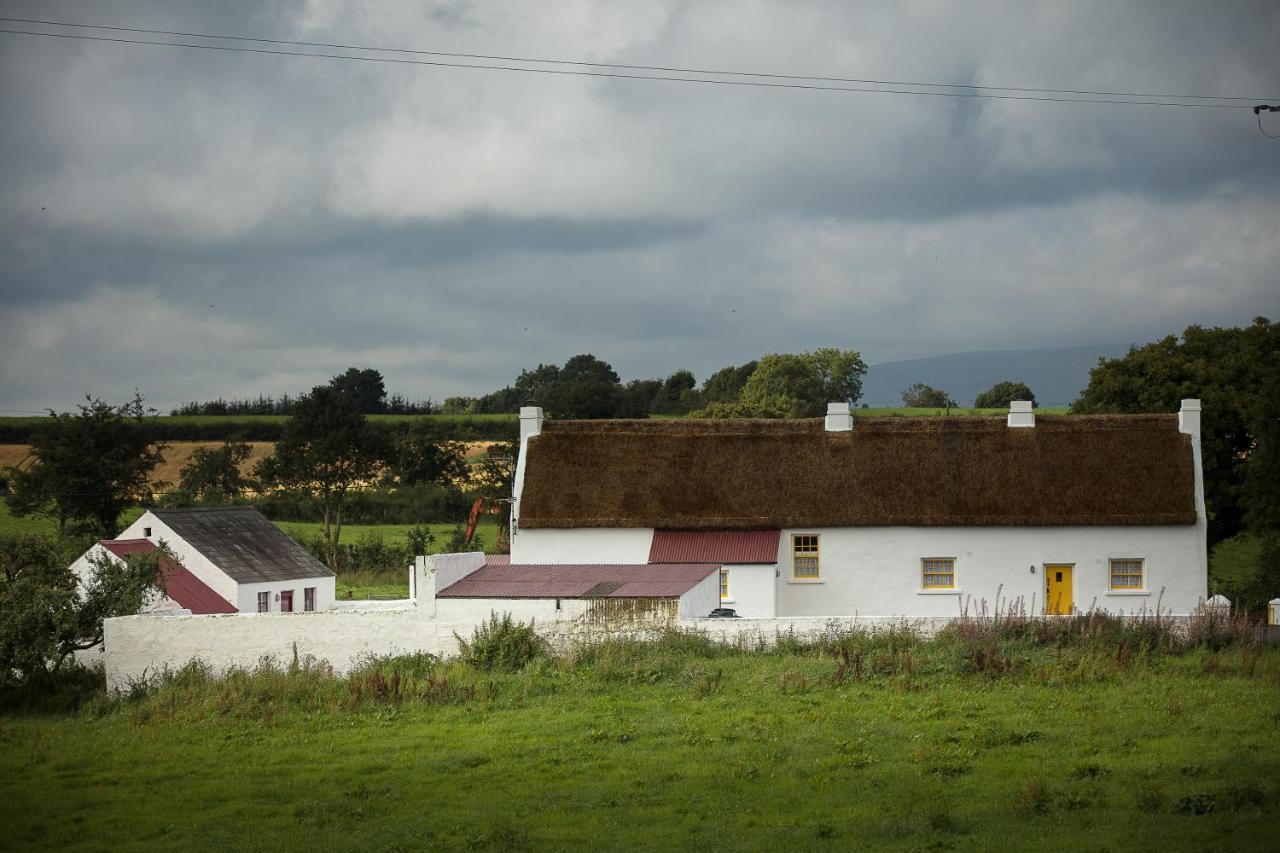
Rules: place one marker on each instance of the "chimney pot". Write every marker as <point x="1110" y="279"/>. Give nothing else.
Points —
<point x="1021" y="414"/>
<point x="530" y="422"/>
<point x="838" y="417"/>
<point x="1189" y="417"/>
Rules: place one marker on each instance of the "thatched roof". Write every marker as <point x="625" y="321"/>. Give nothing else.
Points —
<point x="769" y="474"/>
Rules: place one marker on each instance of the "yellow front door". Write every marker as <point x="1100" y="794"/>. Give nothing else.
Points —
<point x="1057" y="589"/>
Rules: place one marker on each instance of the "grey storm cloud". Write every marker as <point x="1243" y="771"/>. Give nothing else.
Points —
<point x="196" y="224"/>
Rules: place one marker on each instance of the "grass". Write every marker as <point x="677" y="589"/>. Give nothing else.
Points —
<point x="672" y="745"/>
<point x="391" y="533"/>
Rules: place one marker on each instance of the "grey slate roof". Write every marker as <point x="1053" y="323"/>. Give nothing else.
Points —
<point x="243" y="543"/>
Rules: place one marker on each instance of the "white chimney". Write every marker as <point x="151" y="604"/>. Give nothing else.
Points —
<point x="1021" y="414"/>
<point x="530" y="422"/>
<point x="1189" y="417"/>
<point x="838" y="417"/>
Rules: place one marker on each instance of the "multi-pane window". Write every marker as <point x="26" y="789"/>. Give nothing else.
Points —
<point x="286" y="601"/>
<point x="309" y="599"/>
<point x="1126" y="574"/>
<point x="804" y="556"/>
<point x="938" y="573"/>
<point x="264" y="602"/>
<point x="724" y="584"/>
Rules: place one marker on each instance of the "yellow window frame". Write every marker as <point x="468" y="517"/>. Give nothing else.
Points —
<point x="724" y="584"/>
<point x="1128" y="573"/>
<point x="938" y="573"/>
<point x="806" y="563"/>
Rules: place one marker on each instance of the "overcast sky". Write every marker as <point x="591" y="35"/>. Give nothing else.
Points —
<point x="195" y="224"/>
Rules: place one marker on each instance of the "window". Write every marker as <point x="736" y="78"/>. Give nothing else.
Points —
<point x="1126" y="574"/>
<point x="309" y="599"/>
<point x="286" y="601"/>
<point x="264" y="602"/>
<point x="146" y="532"/>
<point x="938" y="573"/>
<point x="804" y="556"/>
<point x="724" y="584"/>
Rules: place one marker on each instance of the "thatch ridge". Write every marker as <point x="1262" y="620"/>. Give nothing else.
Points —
<point x="963" y="470"/>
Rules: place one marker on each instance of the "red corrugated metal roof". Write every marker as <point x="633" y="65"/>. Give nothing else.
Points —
<point x="503" y="580"/>
<point x="177" y="581"/>
<point x="720" y="546"/>
<point x="124" y="547"/>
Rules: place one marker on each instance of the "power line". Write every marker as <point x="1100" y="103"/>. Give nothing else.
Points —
<point x="662" y="78"/>
<point x="662" y="68"/>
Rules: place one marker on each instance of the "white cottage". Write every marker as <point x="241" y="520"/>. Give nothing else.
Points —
<point x="848" y="516"/>
<point x="231" y="559"/>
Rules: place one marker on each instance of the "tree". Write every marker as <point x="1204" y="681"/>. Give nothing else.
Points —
<point x="46" y="614"/>
<point x="89" y="466"/>
<point x="999" y="396"/>
<point x="841" y="373"/>
<point x="328" y="448"/>
<point x="921" y="396"/>
<point x="423" y="455"/>
<point x="785" y="383"/>
<point x="1230" y="370"/>
<point x="585" y="387"/>
<point x="638" y="398"/>
<point x="365" y="388"/>
<point x="802" y="385"/>
<point x="215" y="475"/>
<point x="532" y="385"/>
<point x="725" y="384"/>
<point x="677" y="394"/>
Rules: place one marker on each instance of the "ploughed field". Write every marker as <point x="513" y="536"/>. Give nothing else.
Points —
<point x="970" y="742"/>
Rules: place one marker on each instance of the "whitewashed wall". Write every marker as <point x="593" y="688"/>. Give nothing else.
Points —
<point x="247" y="600"/>
<point x="583" y="545"/>
<point x="875" y="571"/>
<point x="702" y="599"/>
<point x="753" y="590"/>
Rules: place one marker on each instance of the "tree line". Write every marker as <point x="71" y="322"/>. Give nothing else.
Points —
<point x="366" y="387"/>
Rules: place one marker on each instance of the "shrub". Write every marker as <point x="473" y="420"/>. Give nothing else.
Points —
<point x="501" y="644"/>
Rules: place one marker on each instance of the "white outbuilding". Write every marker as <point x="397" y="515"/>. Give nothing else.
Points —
<point x="234" y="555"/>
<point x="915" y="517"/>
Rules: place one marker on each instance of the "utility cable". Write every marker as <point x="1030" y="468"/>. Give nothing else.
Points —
<point x="662" y="68"/>
<point x="662" y="78"/>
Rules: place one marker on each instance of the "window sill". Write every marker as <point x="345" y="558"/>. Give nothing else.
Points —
<point x="939" y="592"/>
<point x="1128" y="592"/>
<point x="726" y="601"/>
<point x="803" y="581"/>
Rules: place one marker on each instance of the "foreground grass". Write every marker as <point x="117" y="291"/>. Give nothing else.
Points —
<point x="678" y="745"/>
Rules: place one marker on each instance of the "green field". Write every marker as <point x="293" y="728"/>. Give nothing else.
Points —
<point x="675" y="748"/>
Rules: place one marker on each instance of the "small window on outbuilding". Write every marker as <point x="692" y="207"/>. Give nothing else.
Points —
<point x="1127" y="574"/>
<point x="938" y="573"/>
<point x="724" y="584"/>
<point x="804" y="556"/>
<point x="146" y="532"/>
<point x="264" y="602"/>
<point x="309" y="599"/>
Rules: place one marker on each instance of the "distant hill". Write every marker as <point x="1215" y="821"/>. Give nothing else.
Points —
<point x="1056" y="375"/>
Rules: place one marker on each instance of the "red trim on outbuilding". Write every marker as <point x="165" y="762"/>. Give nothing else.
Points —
<point x="176" y="580"/>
